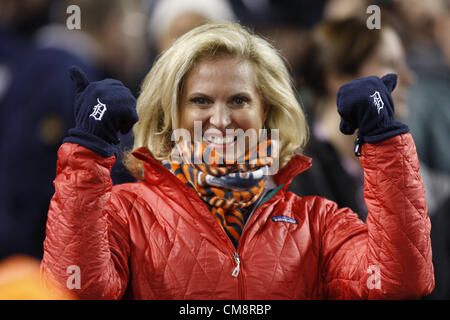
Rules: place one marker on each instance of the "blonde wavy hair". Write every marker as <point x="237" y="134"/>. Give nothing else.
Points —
<point x="158" y="103"/>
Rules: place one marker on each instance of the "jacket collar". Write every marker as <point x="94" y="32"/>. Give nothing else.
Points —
<point x="298" y="164"/>
<point x="155" y="172"/>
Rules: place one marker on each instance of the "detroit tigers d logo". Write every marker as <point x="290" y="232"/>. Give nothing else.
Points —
<point x="99" y="110"/>
<point x="377" y="101"/>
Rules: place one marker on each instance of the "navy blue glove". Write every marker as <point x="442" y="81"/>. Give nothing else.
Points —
<point x="366" y="104"/>
<point x="102" y="108"/>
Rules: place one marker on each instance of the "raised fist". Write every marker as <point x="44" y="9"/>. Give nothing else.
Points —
<point x="102" y="109"/>
<point x="366" y="104"/>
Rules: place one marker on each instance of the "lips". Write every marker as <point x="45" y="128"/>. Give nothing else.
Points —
<point x="220" y="139"/>
<point x="220" y="142"/>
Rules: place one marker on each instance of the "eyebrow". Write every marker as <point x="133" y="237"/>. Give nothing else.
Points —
<point x="241" y="93"/>
<point x="199" y="94"/>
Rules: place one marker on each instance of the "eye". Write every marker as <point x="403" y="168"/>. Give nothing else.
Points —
<point x="199" y="100"/>
<point x="240" y="100"/>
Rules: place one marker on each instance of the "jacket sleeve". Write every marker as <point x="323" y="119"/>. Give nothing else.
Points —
<point x="86" y="247"/>
<point x="389" y="257"/>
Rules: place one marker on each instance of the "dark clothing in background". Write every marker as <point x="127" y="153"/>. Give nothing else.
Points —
<point x="12" y="47"/>
<point x="35" y="115"/>
<point x="328" y="178"/>
<point x="440" y="243"/>
<point x="429" y="120"/>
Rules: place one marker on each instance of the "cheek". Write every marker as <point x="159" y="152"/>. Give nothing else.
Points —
<point x="189" y="115"/>
<point x="248" y="119"/>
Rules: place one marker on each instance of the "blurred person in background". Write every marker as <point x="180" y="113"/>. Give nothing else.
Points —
<point x="170" y="19"/>
<point x="429" y="119"/>
<point x="18" y="20"/>
<point x="434" y="125"/>
<point x="37" y="111"/>
<point x="339" y="50"/>
<point x="424" y="27"/>
<point x="342" y="9"/>
<point x="283" y="22"/>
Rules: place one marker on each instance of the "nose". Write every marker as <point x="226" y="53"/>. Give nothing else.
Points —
<point x="220" y="117"/>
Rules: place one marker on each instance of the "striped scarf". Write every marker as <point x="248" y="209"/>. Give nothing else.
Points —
<point x="228" y="187"/>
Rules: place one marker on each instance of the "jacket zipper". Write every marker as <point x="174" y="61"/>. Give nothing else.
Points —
<point x="236" y="273"/>
<point x="238" y="265"/>
<point x="237" y="259"/>
<point x="239" y="277"/>
<point x="237" y="270"/>
<point x="236" y="255"/>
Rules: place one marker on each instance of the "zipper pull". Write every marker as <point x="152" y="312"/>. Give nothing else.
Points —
<point x="238" y="261"/>
<point x="358" y="145"/>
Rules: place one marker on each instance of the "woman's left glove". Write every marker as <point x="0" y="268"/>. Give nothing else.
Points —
<point x="102" y="109"/>
<point x="366" y="104"/>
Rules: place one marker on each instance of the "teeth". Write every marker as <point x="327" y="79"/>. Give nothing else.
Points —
<point x="220" y="140"/>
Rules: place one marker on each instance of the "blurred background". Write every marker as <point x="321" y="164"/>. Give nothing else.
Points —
<point x="325" y="42"/>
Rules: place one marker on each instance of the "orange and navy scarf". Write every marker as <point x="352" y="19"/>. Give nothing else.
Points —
<point x="228" y="187"/>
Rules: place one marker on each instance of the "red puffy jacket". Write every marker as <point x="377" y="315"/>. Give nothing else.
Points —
<point x="156" y="239"/>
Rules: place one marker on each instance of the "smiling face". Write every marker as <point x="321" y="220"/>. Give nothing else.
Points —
<point x="221" y="93"/>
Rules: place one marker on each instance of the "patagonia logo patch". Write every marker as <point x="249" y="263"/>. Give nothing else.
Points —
<point x="284" y="219"/>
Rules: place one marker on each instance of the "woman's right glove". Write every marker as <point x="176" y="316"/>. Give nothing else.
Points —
<point x="102" y="108"/>
<point x="366" y="104"/>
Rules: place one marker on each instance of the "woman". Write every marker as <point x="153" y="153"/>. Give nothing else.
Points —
<point x="217" y="229"/>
